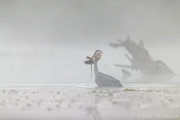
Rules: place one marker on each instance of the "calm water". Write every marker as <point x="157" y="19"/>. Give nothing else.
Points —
<point x="87" y="102"/>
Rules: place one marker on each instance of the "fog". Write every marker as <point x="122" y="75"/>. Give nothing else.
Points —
<point x="43" y="41"/>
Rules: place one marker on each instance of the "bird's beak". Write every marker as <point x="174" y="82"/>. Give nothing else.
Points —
<point x="93" y="56"/>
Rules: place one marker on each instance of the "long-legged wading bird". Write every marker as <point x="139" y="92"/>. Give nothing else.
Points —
<point x="102" y="80"/>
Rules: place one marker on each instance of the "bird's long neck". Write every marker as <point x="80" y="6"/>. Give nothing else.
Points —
<point x="95" y="67"/>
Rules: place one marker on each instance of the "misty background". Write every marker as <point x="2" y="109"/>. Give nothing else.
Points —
<point x="46" y="41"/>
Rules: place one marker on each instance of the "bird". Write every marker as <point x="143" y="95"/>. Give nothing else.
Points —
<point x="101" y="79"/>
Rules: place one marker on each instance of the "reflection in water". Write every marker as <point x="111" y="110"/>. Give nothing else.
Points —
<point x="106" y="95"/>
<point x="92" y="110"/>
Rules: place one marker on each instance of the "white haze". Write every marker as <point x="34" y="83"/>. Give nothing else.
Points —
<point x="43" y="41"/>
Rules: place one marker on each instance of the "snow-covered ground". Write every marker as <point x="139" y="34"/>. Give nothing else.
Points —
<point x="87" y="102"/>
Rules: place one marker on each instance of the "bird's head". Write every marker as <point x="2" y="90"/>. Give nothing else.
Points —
<point x="97" y="55"/>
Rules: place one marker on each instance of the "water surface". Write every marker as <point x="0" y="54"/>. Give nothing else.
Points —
<point x="88" y="102"/>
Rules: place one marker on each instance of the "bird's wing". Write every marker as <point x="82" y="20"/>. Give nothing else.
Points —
<point x="107" y="80"/>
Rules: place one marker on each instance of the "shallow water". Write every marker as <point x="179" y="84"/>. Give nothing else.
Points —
<point x="87" y="102"/>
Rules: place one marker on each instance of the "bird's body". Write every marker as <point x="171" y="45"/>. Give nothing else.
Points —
<point x="103" y="80"/>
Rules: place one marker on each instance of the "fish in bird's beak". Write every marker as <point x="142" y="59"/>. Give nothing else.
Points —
<point x="90" y="61"/>
<point x="97" y="55"/>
